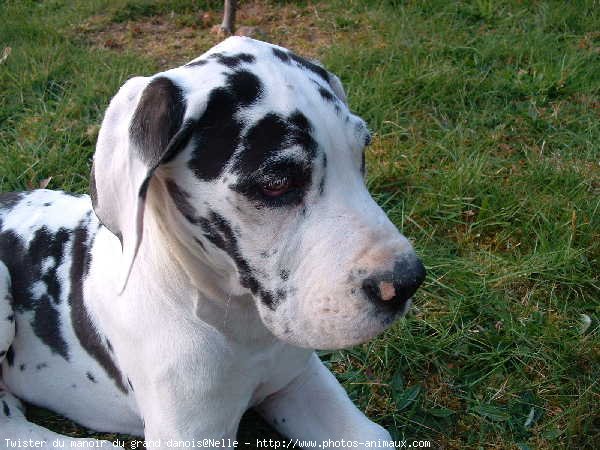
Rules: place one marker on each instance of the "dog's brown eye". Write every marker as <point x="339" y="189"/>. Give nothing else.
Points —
<point x="276" y="188"/>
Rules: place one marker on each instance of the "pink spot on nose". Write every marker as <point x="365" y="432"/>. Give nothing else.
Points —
<point x="386" y="290"/>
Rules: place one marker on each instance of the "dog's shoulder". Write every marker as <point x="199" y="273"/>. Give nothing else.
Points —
<point x="39" y="232"/>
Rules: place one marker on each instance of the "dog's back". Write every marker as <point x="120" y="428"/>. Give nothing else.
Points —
<point x="45" y="237"/>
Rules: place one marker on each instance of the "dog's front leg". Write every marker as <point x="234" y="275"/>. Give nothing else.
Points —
<point x="314" y="406"/>
<point x="182" y="414"/>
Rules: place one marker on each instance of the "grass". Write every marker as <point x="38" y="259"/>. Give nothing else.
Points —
<point x="486" y="117"/>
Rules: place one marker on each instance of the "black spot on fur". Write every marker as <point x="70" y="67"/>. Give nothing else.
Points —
<point x="10" y="356"/>
<point x="200" y="62"/>
<point x="90" y="377"/>
<point x="130" y="384"/>
<point x="216" y="134"/>
<point x="22" y="367"/>
<point x="218" y="231"/>
<point x="10" y="318"/>
<point x="93" y="189"/>
<point x="282" y="55"/>
<point x="245" y="86"/>
<point x="10" y="199"/>
<point x="327" y="94"/>
<point x="284" y="274"/>
<point x="362" y="163"/>
<point x="49" y="245"/>
<point x="84" y="329"/>
<point x="280" y="294"/>
<point x="157" y="119"/>
<point x="2" y="353"/>
<point x="41" y="366"/>
<point x="181" y="200"/>
<point x="288" y="57"/>
<point x="47" y="204"/>
<point x="46" y="326"/>
<point x="322" y="182"/>
<point x="26" y="268"/>
<point x="5" y="408"/>
<point x="322" y="185"/>
<point x="234" y="60"/>
<point x="310" y="66"/>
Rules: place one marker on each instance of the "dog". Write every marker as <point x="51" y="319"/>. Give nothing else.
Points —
<point x="228" y="234"/>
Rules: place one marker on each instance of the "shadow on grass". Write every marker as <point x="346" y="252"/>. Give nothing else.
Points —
<point x="253" y="429"/>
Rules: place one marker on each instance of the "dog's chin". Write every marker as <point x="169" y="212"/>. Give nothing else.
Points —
<point x="334" y="333"/>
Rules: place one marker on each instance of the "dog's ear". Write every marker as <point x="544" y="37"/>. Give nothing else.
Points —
<point x="142" y="128"/>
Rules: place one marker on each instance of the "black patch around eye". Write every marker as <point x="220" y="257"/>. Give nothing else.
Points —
<point x="272" y="134"/>
<point x="251" y="186"/>
<point x="302" y="134"/>
<point x="234" y="60"/>
<point x="263" y="140"/>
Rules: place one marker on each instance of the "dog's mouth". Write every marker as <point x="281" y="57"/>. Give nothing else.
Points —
<point x="331" y="328"/>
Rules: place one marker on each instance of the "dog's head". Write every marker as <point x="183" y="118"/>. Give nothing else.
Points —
<point x="263" y="167"/>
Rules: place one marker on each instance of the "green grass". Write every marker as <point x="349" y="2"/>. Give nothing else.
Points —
<point x="487" y="127"/>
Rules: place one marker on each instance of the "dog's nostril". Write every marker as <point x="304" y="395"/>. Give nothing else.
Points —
<point x="371" y="289"/>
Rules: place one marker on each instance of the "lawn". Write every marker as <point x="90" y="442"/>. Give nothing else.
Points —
<point x="486" y="153"/>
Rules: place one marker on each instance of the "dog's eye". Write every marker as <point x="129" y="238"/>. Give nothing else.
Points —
<point x="275" y="188"/>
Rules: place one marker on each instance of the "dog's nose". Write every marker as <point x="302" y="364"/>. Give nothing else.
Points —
<point x="393" y="289"/>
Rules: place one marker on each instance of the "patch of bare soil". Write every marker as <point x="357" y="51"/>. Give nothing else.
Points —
<point x="173" y="39"/>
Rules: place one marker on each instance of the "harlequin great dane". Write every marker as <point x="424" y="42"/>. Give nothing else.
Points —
<point x="229" y="233"/>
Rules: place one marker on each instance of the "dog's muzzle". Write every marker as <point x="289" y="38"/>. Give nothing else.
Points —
<point x="391" y="290"/>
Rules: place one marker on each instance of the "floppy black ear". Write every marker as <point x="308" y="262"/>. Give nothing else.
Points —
<point x="157" y="118"/>
<point x="138" y="133"/>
